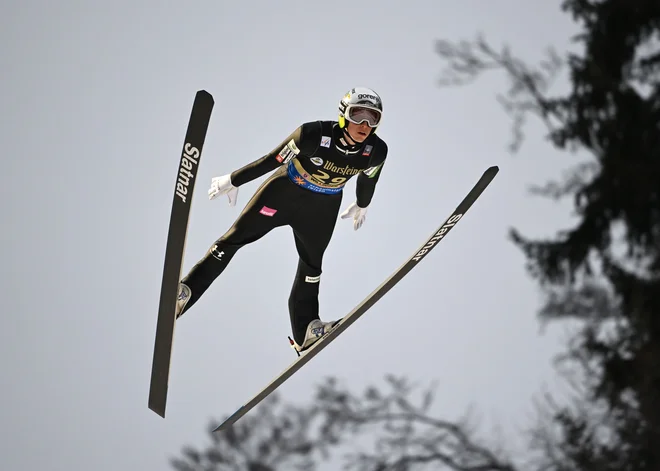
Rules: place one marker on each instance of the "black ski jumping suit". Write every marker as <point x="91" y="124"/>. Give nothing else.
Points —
<point x="311" y="165"/>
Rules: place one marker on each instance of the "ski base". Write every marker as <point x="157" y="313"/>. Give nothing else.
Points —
<point x="175" y="247"/>
<point x="370" y="300"/>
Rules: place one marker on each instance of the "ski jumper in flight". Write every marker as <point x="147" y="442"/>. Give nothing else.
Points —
<point x="310" y="168"/>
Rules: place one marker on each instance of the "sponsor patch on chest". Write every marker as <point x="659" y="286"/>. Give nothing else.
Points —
<point x="288" y="152"/>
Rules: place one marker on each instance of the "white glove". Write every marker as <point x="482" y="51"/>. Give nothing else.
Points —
<point x="223" y="186"/>
<point x="358" y="214"/>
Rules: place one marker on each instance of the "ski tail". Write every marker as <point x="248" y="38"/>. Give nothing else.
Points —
<point x="370" y="300"/>
<point x="176" y="241"/>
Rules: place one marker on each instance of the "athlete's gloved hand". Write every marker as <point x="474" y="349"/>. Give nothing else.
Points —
<point x="223" y="186"/>
<point x="358" y="214"/>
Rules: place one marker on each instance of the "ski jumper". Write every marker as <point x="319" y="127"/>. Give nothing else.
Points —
<point x="312" y="166"/>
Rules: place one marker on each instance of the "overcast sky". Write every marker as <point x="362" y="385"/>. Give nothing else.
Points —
<point x="96" y="97"/>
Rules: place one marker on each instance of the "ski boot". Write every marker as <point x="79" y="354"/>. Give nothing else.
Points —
<point x="182" y="298"/>
<point x="315" y="331"/>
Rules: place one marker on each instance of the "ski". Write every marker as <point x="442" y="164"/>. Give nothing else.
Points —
<point x="184" y="186"/>
<point x="370" y="300"/>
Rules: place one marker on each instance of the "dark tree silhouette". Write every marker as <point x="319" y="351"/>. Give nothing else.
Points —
<point x="277" y="436"/>
<point x="405" y="435"/>
<point x="605" y="271"/>
<point x="395" y="432"/>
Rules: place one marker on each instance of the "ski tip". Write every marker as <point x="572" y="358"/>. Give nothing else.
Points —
<point x="204" y="94"/>
<point x="493" y="169"/>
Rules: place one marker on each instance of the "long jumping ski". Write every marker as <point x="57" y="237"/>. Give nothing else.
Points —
<point x="370" y="300"/>
<point x="176" y="243"/>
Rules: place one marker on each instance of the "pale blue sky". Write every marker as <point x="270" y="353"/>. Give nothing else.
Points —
<point x="96" y="98"/>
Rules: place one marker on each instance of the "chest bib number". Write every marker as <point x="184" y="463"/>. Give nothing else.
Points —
<point x="319" y="181"/>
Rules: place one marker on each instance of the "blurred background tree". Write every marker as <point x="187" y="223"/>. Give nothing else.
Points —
<point x="603" y="273"/>
<point x="400" y="435"/>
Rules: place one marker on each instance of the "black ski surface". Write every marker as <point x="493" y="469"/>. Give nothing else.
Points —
<point x="370" y="300"/>
<point x="176" y="242"/>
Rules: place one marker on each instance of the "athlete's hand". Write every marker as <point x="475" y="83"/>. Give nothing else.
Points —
<point x="223" y="186"/>
<point x="358" y="214"/>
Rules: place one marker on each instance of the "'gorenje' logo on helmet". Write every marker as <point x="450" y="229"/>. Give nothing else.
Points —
<point x="369" y="97"/>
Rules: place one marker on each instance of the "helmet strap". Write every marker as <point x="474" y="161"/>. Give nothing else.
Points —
<point x="349" y="137"/>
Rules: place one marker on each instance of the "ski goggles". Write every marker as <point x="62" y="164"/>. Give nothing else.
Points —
<point x="360" y="113"/>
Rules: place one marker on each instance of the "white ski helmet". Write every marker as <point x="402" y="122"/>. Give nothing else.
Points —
<point x="361" y="104"/>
